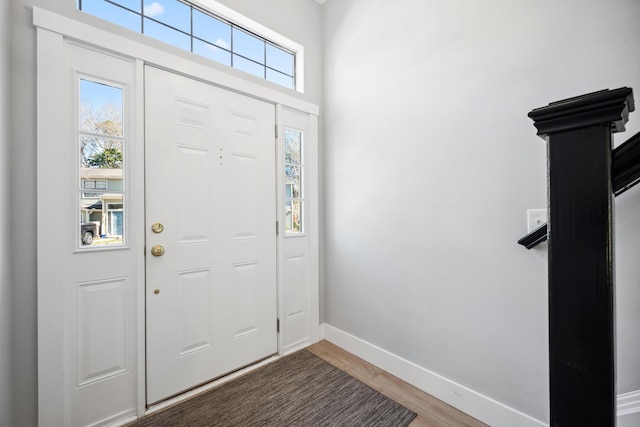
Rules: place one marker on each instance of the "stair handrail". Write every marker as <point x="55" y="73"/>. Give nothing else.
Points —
<point x="625" y="172"/>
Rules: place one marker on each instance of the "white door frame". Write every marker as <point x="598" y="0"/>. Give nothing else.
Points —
<point x="54" y="31"/>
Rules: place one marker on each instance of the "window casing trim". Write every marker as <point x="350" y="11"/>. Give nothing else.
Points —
<point x="90" y="30"/>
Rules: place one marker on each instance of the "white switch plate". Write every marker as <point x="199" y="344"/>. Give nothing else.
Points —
<point x="535" y="218"/>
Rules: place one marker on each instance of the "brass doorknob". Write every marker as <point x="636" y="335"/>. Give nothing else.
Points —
<point x="157" y="291"/>
<point x="157" y="227"/>
<point x="157" y="250"/>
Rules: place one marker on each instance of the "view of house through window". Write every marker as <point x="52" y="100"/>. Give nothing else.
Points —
<point x="180" y="23"/>
<point x="293" y="168"/>
<point x="101" y="139"/>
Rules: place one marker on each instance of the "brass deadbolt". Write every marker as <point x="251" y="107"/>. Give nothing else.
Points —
<point x="157" y="250"/>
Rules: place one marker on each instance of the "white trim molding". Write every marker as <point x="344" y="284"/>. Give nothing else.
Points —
<point x="169" y="58"/>
<point x="460" y="397"/>
<point x="629" y="403"/>
<point x="61" y="402"/>
<point x="463" y="398"/>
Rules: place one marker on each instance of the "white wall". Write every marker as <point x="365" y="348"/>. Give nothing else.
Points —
<point x="298" y="20"/>
<point x="5" y="278"/>
<point x="431" y="163"/>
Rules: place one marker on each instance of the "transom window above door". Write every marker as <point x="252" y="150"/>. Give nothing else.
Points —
<point x="186" y="25"/>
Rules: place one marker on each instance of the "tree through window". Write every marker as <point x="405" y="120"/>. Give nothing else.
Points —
<point x="101" y="138"/>
<point x="293" y="183"/>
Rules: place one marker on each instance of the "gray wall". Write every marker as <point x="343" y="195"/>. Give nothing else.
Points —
<point x="299" y="20"/>
<point x="5" y="278"/>
<point x="430" y="165"/>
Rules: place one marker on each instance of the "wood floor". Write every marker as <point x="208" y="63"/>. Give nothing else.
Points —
<point x="431" y="411"/>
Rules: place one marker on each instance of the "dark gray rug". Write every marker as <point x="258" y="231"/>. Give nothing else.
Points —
<point x="297" y="390"/>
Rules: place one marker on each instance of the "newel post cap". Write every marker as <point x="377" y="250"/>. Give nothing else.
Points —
<point x="597" y="108"/>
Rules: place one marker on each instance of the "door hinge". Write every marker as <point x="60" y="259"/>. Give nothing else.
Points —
<point x="278" y="325"/>
<point x="276" y="131"/>
<point x="277" y="228"/>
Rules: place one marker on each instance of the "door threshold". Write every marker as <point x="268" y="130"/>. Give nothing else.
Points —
<point x="208" y="386"/>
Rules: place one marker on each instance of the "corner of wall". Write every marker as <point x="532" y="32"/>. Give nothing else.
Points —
<point x="21" y="209"/>
<point x="6" y="376"/>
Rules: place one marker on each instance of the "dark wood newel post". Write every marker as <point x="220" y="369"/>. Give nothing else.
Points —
<point x="581" y="264"/>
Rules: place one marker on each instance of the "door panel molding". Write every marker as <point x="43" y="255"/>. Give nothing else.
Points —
<point x="220" y="194"/>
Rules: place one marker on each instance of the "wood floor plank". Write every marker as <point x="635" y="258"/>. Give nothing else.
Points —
<point x="431" y="411"/>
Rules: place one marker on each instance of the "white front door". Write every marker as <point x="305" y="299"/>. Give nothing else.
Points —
<point x="210" y="191"/>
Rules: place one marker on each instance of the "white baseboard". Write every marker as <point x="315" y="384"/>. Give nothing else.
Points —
<point x="468" y="401"/>
<point x="629" y="403"/>
<point x="483" y="408"/>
